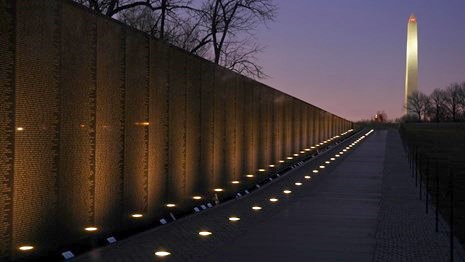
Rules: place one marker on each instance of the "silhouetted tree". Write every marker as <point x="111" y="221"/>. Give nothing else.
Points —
<point x="231" y="25"/>
<point x="417" y="104"/>
<point x="219" y="30"/>
<point x="112" y="7"/>
<point x="437" y="108"/>
<point x="452" y="100"/>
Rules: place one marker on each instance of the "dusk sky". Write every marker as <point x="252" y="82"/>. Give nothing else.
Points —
<point x="348" y="56"/>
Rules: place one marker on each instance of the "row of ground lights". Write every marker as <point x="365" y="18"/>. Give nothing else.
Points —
<point x="256" y="208"/>
<point x="27" y="248"/>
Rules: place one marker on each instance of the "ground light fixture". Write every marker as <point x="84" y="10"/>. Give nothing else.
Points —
<point x="261" y="170"/>
<point x="327" y="162"/>
<point x="91" y="229"/>
<point x="332" y="158"/>
<point x="307" y="177"/>
<point x="271" y="165"/>
<point x="337" y="155"/>
<point x="218" y="190"/>
<point x="302" y="152"/>
<point x="205" y="233"/>
<point x="273" y="200"/>
<point x="234" y="219"/>
<point x="289" y="157"/>
<point x="137" y="215"/>
<point x="307" y="149"/>
<point x="322" y="167"/>
<point x="235" y="182"/>
<point x="26" y="248"/>
<point x="281" y="161"/>
<point x="197" y="197"/>
<point x="162" y="253"/>
<point x="296" y="154"/>
<point x="250" y="176"/>
<point x="170" y="205"/>
<point x="256" y="208"/>
<point x="315" y="171"/>
<point x="287" y="191"/>
<point x="298" y="183"/>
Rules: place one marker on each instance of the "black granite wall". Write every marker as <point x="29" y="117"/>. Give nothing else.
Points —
<point x="100" y="121"/>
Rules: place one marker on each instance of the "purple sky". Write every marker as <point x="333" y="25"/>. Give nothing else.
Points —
<point x="348" y="56"/>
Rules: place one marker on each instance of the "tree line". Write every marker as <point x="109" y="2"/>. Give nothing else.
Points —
<point x="440" y="106"/>
<point x="222" y="31"/>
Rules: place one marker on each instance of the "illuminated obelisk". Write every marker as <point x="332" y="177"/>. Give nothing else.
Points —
<point x="411" y="71"/>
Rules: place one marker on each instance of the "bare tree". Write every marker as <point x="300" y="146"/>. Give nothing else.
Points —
<point x="462" y="98"/>
<point x="230" y="24"/>
<point x="219" y="30"/>
<point x="113" y="7"/>
<point x="452" y="100"/>
<point x="417" y="104"/>
<point x="437" y="105"/>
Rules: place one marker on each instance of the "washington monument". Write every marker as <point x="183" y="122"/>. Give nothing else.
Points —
<point x="411" y="69"/>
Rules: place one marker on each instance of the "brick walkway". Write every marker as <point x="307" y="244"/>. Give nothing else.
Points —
<point x="362" y="207"/>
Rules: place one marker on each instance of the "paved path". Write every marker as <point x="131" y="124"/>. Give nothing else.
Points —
<point x="360" y="208"/>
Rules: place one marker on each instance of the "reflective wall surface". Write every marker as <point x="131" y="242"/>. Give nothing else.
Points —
<point x="99" y="122"/>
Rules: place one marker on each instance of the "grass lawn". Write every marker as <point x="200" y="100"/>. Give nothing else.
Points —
<point x="439" y="153"/>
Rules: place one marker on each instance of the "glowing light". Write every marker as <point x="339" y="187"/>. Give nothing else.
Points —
<point x="273" y="200"/>
<point x="234" y="219"/>
<point x="261" y="170"/>
<point x="312" y="147"/>
<point x="170" y="205"/>
<point x="162" y="253"/>
<point x="296" y="154"/>
<point x="137" y="215"/>
<point x="322" y="167"/>
<point x="297" y="183"/>
<point x="271" y="165"/>
<point x="196" y="197"/>
<point x="327" y="162"/>
<point x="332" y="158"/>
<point x="235" y="182"/>
<point x="256" y="208"/>
<point x="307" y="177"/>
<point x="20" y="128"/>
<point x="249" y="175"/>
<point x="141" y="123"/>
<point x="26" y="248"/>
<point x="91" y="229"/>
<point x="287" y="191"/>
<point x="289" y="157"/>
<point x="344" y="150"/>
<point x="281" y="161"/>
<point x="218" y="190"/>
<point x="315" y="171"/>
<point x="337" y="155"/>
<point x="307" y="149"/>
<point x="205" y="233"/>
<point x="302" y="152"/>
